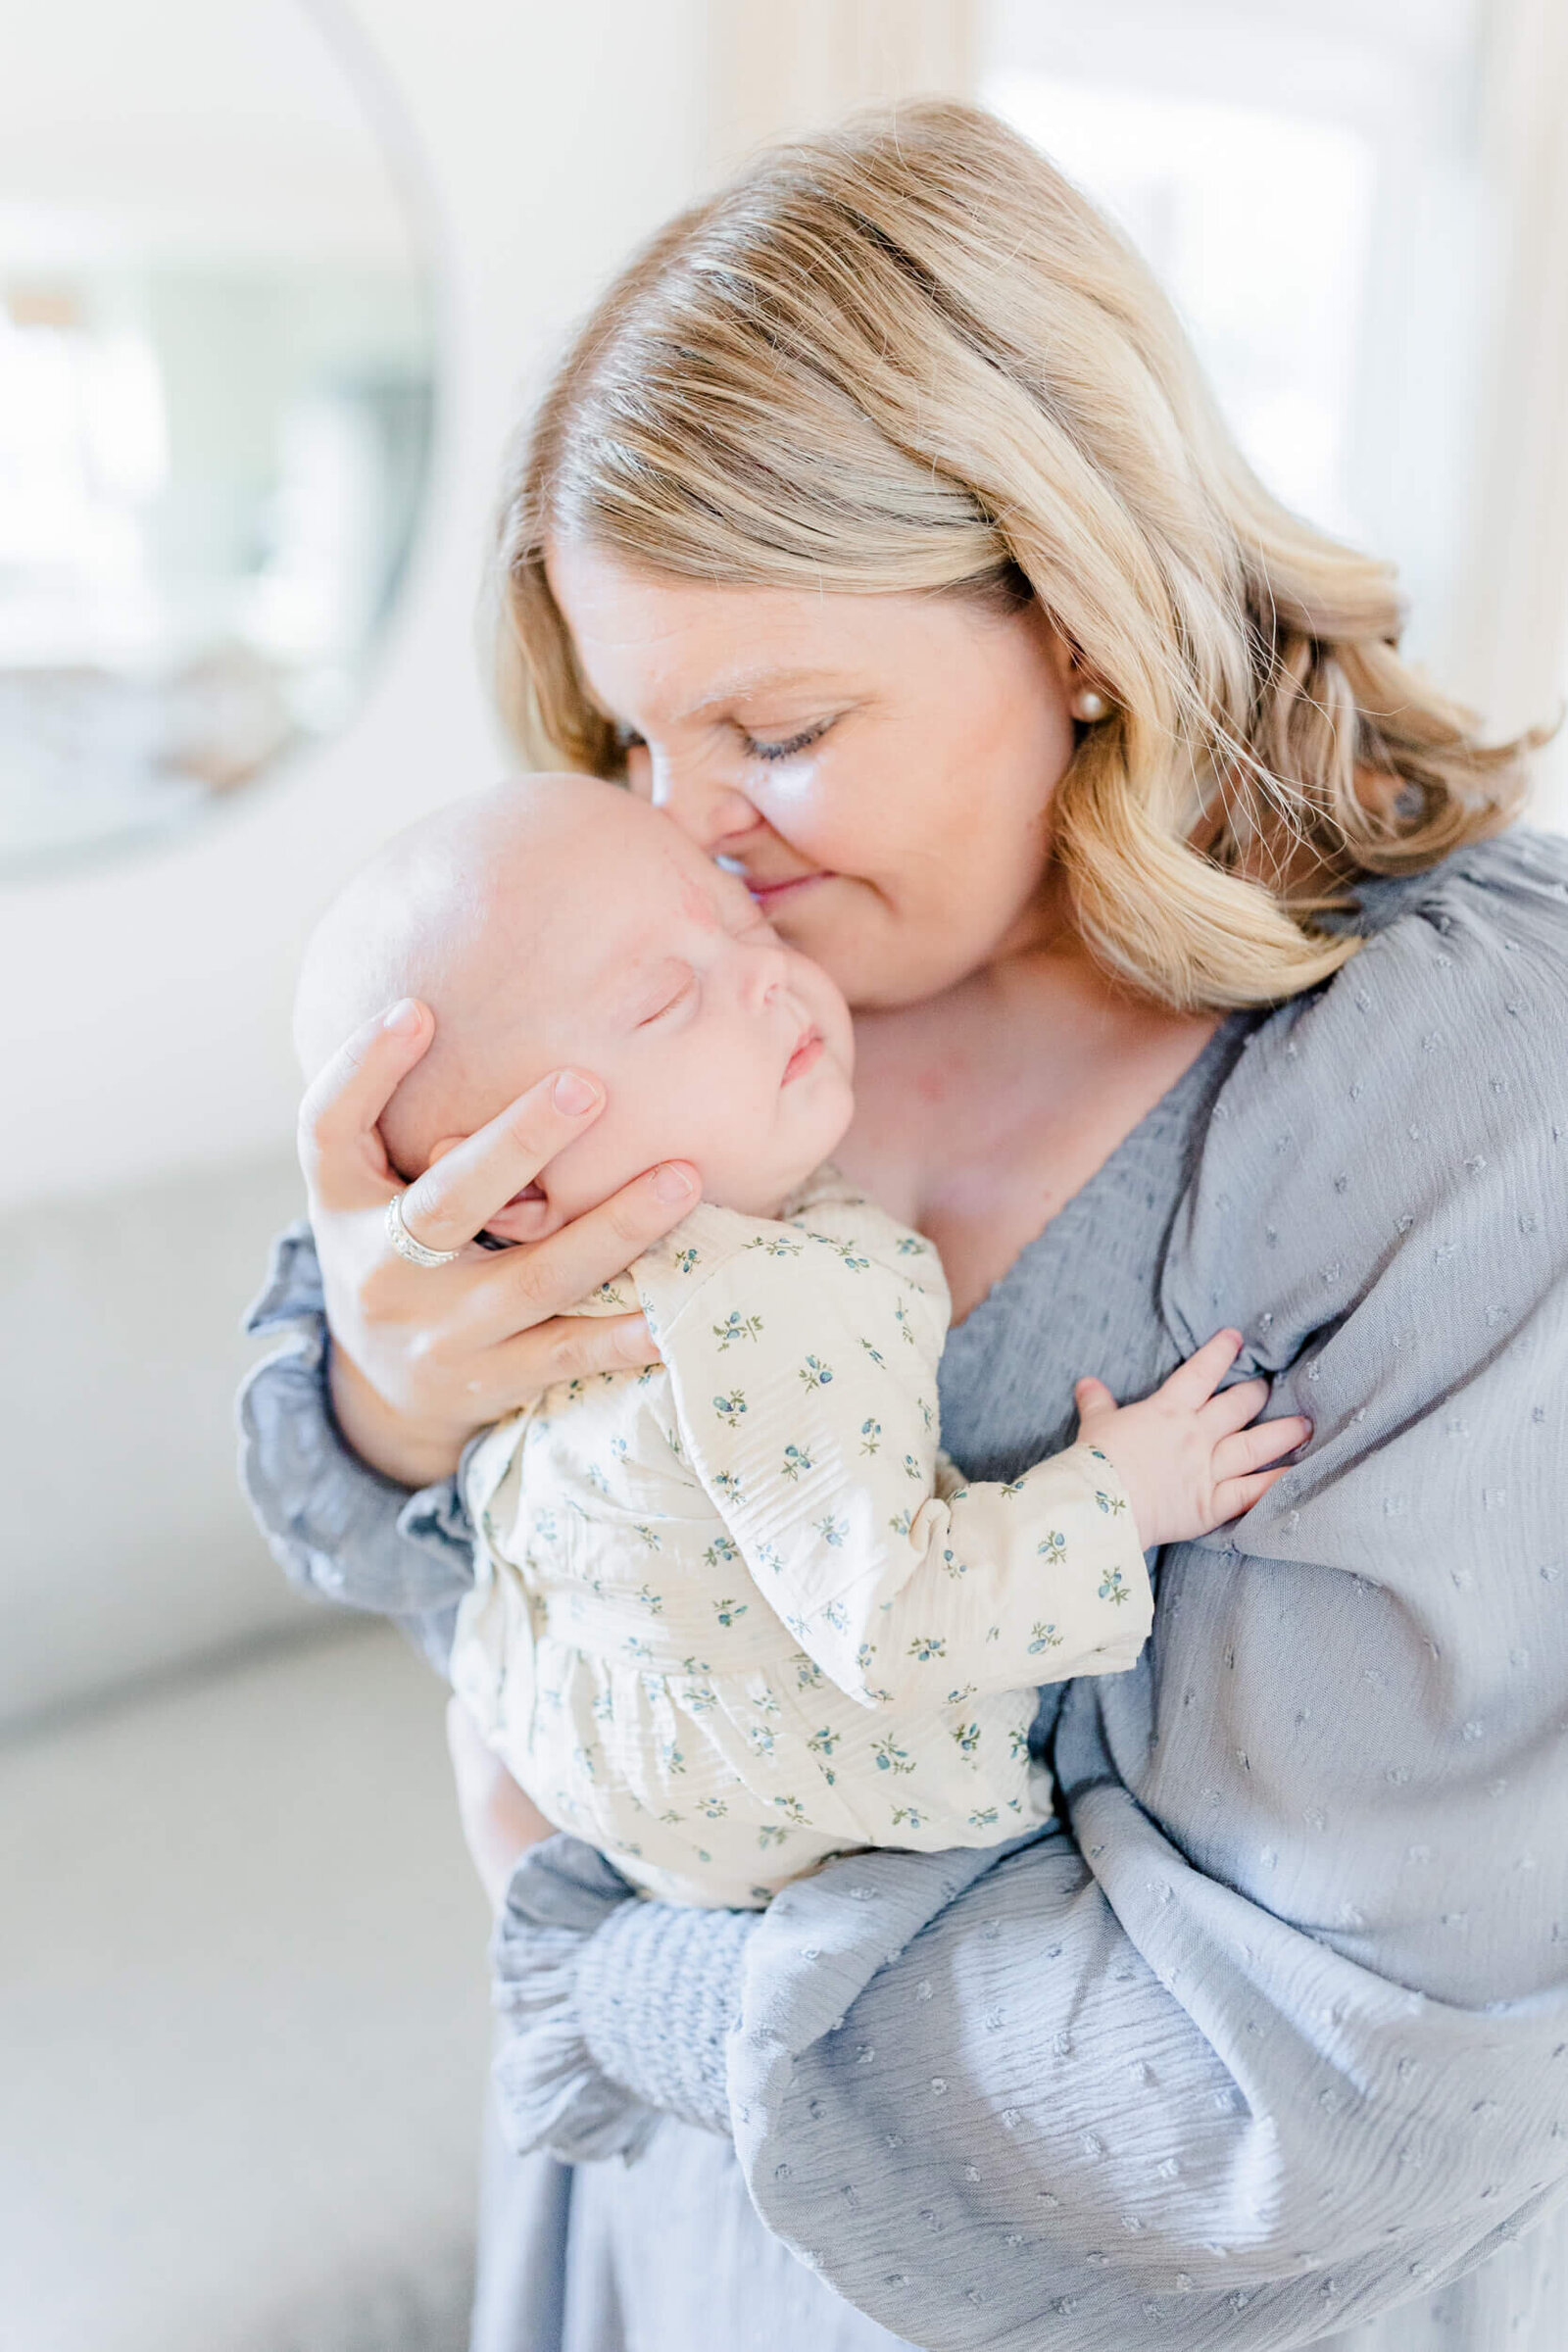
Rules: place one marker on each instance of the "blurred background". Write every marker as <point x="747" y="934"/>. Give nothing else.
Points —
<point x="274" y="280"/>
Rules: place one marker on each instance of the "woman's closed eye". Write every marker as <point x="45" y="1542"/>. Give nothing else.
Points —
<point x="788" y="748"/>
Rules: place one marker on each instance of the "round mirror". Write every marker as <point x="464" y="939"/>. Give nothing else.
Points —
<point x="216" y="372"/>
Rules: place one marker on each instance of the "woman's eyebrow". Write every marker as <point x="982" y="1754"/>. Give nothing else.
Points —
<point x="753" y="681"/>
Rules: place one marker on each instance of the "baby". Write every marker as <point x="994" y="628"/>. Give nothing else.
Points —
<point x="735" y="1612"/>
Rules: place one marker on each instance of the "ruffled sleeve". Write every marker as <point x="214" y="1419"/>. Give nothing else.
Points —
<point x="335" y="1526"/>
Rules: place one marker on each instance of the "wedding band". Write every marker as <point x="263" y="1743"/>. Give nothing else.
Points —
<point x="404" y="1242"/>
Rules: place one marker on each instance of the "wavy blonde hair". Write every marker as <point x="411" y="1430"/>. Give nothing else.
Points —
<point x="909" y="355"/>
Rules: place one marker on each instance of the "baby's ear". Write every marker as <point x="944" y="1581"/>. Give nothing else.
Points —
<point x="526" y="1217"/>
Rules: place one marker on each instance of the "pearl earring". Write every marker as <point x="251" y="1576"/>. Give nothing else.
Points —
<point x="1089" y="705"/>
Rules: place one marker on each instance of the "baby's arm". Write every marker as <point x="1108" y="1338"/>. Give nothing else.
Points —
<point x="804" y="1376"/>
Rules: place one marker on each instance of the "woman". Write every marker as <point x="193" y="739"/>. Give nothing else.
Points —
<point x="879" y="529"/>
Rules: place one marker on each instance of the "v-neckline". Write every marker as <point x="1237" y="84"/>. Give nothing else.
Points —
<point x="1228" y="1038"/>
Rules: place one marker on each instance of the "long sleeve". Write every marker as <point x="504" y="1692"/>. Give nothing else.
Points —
<point x="1272" y="2035"/>
<point x="803" y="1370"/>
<point x="1278" y="2037"/>
<point x="336" y="1528"/>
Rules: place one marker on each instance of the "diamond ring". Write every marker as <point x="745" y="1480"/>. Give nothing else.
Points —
<point x="404" y="1242"/>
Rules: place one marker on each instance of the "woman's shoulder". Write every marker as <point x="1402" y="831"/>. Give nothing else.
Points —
<point x="1416" y="1100"/>
<point x="1463" y="978"/>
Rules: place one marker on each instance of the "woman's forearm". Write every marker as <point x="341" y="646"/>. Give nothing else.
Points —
<point x="337" y="1526"/>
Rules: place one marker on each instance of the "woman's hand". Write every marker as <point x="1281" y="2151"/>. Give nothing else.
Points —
<point x="498" y="1821"/>
<point x="424" y="1357"/>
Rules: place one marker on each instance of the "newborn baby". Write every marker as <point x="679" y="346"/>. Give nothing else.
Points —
<point x="735" y="1612"/>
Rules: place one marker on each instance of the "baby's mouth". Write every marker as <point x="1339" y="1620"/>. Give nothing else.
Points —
<point x="807" y="1052"/>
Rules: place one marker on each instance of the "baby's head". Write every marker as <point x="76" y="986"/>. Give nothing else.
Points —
<point x="560" y="924"/>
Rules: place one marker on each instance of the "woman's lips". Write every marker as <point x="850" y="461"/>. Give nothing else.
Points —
<point x="805" y="1057"/>
<point x="769" y="895"/>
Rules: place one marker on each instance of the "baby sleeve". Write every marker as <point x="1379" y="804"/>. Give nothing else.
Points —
<point x="803" y="1371"/>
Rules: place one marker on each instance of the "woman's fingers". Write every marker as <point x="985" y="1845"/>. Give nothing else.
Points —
<point x="548" y="1278"/>
<point x="340" y="1150"/>
<point x="567" y="1348"/>
<point x="456" y="1197"/>
<point x="1265" y="1441"/>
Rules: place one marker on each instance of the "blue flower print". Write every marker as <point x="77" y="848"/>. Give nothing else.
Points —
<point x="1054" y="1551"/>
<point x="721" y="1552"/>
<point x="983" y="1818"/>
<point x="910" y="1246"/>
<point x="736" y="1327"/>
<point x="876" y="1355"/>
<point x="815" y="1373"/>
<point x="1043" y="1637"/>
<point x="832" y="1531"/>
<point x="908" y="1815"/>
<point x="871" y="1436"/>
<point x="730" y="1408"/>
<point x="968" y="1736"/>
<point x="927" y="1647"/>
<point x="912" y="1469"/>
<point x="685" y="1260"/>
<point x="727" y="1486"/>
<point x="649" y="1535"/>
<point x="837" y="1616"/>
<point x="890" y="1756"/>
<point x="1112" y="1504"/>
<point x="777" y="1245"/>
<point x="1114" y="1584"/>
<point x="695" y="1666"/>
<point x="796" y="1459"/>
<point x="771" y="1834"/>
<point x="792" y="1809"/>
<point x="653" y="1602"/>
<point x="729" y="1610"/>
<point x="808" y="1675"/>
<point x="713" y="1808"/>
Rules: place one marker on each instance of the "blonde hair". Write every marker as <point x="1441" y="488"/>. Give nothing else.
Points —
<point x="909" y="355"/>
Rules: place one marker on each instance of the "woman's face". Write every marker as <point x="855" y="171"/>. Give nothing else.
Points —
<point x="879" y="769"/>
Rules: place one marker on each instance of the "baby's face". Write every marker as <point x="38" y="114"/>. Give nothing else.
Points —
<point x="642" y="963"/>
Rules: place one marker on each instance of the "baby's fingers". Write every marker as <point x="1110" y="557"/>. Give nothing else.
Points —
<point x="1233" y="1408"/>
<point x="1265" y="1441"/>
<point x="1234" y="1495"/>
<point x="1193" y="1383"/>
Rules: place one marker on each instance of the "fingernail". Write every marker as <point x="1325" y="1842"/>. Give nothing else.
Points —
<point x="672" y="1183"/>
<point x="574" y="1094"/>
<point x="404" y="1017"/>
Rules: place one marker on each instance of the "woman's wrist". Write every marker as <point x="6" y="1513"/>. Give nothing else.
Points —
<point x="381" y="1438"/>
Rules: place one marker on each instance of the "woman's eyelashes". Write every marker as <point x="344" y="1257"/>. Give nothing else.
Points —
<point x="790" y="748"/>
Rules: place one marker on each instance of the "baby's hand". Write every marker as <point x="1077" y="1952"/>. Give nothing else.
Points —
<point x="1187" y="1457"/>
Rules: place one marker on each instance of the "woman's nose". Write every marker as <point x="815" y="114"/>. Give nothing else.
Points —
<point x="709" y="812"/>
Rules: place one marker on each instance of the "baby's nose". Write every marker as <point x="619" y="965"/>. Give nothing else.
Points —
<point x="762" y="974"/>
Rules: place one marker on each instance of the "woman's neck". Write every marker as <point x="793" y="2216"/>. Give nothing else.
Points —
<point x="982" y="1112"/>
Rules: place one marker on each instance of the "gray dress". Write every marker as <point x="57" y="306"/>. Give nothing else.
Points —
<point x="1266" y="2042"/>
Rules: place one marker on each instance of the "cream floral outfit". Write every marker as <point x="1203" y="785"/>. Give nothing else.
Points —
<point x="736" y="1612"/>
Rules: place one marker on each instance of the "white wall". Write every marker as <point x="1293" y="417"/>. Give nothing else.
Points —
<point x="147" y="1029"/>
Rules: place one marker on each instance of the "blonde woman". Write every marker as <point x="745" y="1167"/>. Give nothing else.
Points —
<point x="879" y="529"/>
